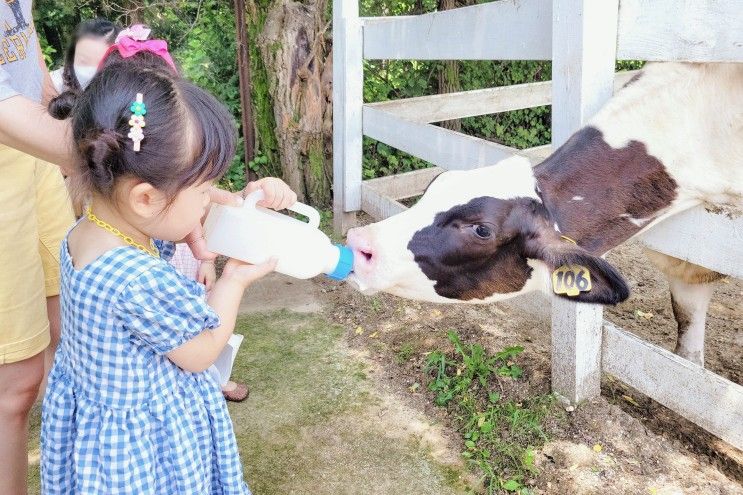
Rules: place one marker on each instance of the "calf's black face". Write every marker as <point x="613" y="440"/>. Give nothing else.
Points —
<point x="480" y="236"/>
<point x="473" y="251"/>
<point x="489" y="246"/>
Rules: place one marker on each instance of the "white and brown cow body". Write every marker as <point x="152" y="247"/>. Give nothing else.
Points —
<point x="669" y="140"/>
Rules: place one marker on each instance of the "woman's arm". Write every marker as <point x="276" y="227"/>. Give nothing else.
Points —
<point x="48" y="91"/>
<point x="27" y="126"/>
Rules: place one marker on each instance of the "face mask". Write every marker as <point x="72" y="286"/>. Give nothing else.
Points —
<point x="84" y="74"/>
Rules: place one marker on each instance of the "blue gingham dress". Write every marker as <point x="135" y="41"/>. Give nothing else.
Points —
<point x="118" y="417"/>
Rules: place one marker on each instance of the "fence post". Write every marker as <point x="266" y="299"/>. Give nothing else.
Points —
<point x="584" y="34"/>
<point x="348" y="81"/>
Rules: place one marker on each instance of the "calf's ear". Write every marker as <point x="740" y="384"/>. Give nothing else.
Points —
<point x="532" y="225"/>
<point x="607" y="284"/>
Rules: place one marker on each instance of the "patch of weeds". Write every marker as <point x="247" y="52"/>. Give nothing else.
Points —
<point x="405" y="352"/>
<point x="500" y="435"/>
<point x="509" y="369"/>
<point x="376" y="304"/>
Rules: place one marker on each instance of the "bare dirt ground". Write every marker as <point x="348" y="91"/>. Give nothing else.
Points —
<point x="645" y="448"/>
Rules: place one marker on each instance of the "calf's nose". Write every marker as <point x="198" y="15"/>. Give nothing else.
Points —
<point x="359" y="240"/>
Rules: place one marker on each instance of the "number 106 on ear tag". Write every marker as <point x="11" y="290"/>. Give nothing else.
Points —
<point x="571" y="280"/>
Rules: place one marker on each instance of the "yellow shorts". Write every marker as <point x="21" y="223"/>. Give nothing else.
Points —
<point x="35" y="214"/>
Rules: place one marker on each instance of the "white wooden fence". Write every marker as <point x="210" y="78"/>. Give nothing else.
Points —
<point x="582" y="38"/>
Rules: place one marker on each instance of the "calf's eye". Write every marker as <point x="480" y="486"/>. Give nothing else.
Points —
<point x="483" y="231"/>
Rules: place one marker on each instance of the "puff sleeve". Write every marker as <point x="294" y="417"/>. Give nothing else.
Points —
<point x="164" y="310"/>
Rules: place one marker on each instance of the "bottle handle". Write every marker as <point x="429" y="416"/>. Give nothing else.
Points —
<point x="312" y="214"/>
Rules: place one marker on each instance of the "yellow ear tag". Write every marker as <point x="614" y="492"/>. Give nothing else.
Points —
<point x="571" y="280"/>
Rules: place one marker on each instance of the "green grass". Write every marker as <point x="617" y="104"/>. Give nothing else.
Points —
<point x="376" y="304"/>
<point x="405" y="352"/>
<point x="500" y="434"/>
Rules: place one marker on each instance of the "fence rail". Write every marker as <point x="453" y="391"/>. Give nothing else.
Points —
<point x="712" y="240"/>
<point x="510" y="30"/>
<point x="712" y="402"/>
<point x="522" y="30"/>
<point x="437" y="108"/>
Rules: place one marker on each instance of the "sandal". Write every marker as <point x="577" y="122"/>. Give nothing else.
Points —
<point x="238" y="394"/>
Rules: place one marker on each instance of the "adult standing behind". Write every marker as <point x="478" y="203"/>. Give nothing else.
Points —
<point x="85" y="51"/>
<point x="35" y="213"/>
<point x="25" y="124"/>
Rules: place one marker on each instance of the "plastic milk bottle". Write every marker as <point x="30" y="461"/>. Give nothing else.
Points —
<point x="254" y="235"/>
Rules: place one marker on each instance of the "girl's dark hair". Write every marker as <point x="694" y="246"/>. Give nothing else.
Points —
<point x="189" y="137"/>
<point x="94" y="28"/>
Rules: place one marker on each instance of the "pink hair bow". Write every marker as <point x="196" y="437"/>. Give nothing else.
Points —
<point x="128" y="47"/>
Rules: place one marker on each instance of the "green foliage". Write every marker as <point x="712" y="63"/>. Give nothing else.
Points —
<point x="395" y="7"/>
<point x="48" y="52"/>
<point x="56" y="20"/>
<point x="387" y="80"/>
<point x="258" y="162"/>
<point x="520" y="128"/>
<point x="629" y="64"/>
<point x="381" y="160"/>
<point x="206" y="54"/>
<point x="500" y="435"/>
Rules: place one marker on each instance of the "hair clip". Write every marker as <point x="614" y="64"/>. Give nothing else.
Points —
<point x="137" y="32"/>
<point x="138" y="109"/>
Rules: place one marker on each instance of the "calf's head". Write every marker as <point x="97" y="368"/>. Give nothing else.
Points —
<point x="476" y="236"/>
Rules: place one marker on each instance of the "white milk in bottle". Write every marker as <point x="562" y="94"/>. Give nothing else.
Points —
<point x="254" y="234"/>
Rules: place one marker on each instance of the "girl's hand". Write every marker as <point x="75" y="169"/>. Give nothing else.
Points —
<point x="197" y="244"/>
<point x="195" y="239"/>
<point x="245" y="273"/>
<point x="278" y="196"/>
<point x="207" y="274"/>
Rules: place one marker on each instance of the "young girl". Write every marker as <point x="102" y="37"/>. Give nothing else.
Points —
<point x="129" y="407"/>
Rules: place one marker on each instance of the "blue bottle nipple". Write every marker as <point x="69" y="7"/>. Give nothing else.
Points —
<point x="345" y="263"/>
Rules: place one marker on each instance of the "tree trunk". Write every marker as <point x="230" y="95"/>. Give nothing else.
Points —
<point x="246" y="107"/>
<point x="294" y="51"/>
<point x="449" y="74"/>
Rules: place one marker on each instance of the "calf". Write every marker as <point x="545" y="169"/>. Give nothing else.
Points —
<point x="670" y="140"/>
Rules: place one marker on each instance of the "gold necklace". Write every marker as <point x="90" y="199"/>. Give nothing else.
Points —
<point x="152" y="250"/>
